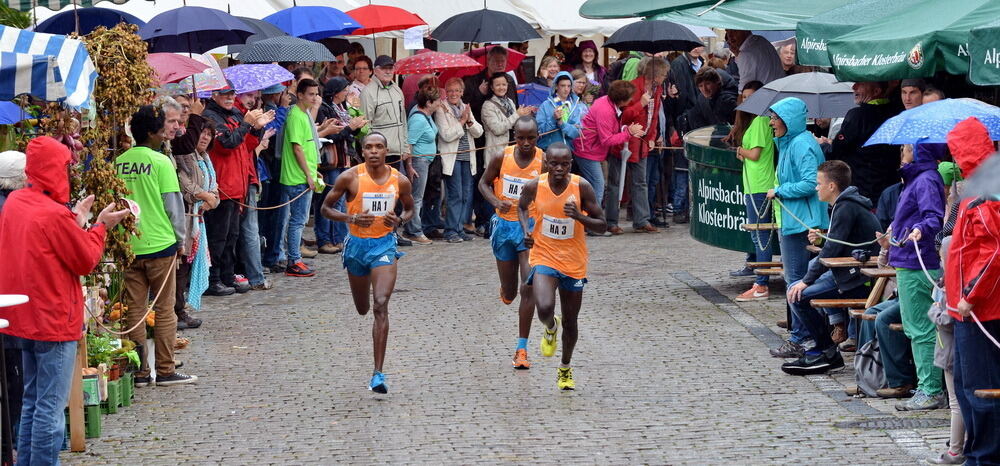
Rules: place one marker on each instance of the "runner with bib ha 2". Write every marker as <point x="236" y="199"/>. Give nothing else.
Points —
<point x="501" y="185"/>
<point x="370" y="253"/>
<point x="563" y="206"/>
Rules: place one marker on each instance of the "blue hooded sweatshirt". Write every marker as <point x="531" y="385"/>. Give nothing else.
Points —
<point x="799" y="157"/>
<point x="567" y="130"/>
<point x="921" y="205"/>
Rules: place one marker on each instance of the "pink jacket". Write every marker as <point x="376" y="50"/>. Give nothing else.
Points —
<point x="601" y="130"/>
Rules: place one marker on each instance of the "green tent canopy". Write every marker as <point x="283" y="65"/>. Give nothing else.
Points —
<point x="984" y="55"/>
<point x="930" y="36"/>
<point x="761" y="15"/>
<point x="812" y="35"/>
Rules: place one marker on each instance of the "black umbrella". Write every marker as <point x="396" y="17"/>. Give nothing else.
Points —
<point x="284" y="48"/>
<point x="261" y="29"/>
<point x="653" y="36"/>
<point x="825" y="97"/>
<point x="485" y="26"/>
<point x="193" y="29"/>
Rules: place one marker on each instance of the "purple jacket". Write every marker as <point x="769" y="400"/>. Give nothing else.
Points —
<point x="921" y="205"/>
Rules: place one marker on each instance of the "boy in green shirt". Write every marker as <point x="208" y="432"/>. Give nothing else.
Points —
<point x="756" y="150"/>
<point x="299" y="172"/>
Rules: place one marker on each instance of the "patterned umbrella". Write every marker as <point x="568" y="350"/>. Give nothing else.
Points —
<point x="262" y="30"/>
<point x="313" y="22"/>
<point x="247" y="78"/>
<point x="56" y="5"/>
<point x="932" y="121"/>
<point x="171" y="67"/>
<point x="382" y="18"/>
<point x="285" y="48"/>
<point x="209" y="80"/>
<point x="430" y="62"/>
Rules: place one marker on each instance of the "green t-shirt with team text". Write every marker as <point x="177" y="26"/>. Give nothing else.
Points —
<point x="149" y="175"/>
<point x="298" y="130"/>
<point x="759" y="175"/>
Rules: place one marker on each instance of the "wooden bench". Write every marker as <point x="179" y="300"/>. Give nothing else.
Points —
<point x="839" y="303"/>
<point x="992" y="393"/>
<point x="770" y="271"/>
<point x="860" y="314"/>
<point x="759" y="226"/>
<point x="896" y="327"/>
<point x="839" y="262"/>
<point x="879" y="272"/>
<point x="764" y="265"/>
<point x="813" y="248"/>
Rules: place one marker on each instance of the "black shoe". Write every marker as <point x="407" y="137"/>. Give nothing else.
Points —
<point x="142" y="381"/>
<point x="218" y="289"/>
<point x="467" y="237"/>
<point x="299" y="269"/>
<point x="681" y="218"/>
<point x="240" y="287"/>
<point x="659" y="223"/>
<point x="186" y="321"/>
<point x="744" y="272"/>
<point x="434" y="234"/>
<point x="788" y="350"/>
<point x="400" y="241"/>
<point x="815" y="364"/>
<point x="174" y="379"/>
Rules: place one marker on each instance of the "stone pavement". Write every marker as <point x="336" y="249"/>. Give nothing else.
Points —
<point x="668" y="369"/>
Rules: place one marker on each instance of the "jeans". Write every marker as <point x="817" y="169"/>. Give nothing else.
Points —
<point x="591" y="171"/>
<point x="795" y="262"/>
<point x="976" y="368"/>
<point x="222" y="224"/>
<point x="815" y="320"/>
<point x="637" y="192"/>
<point x="48" y="373"/>
<point x="680" y="191"/>
<point x="430" y="214"/>
<point x="249" y="242"/>
<point x="914" y="301"/>
<point x="329" y="231"/>
<point x="458" y="192"/>
<point x="765" y="238"/>
<point x="298" y="214"/>
<point x="653" y="173"/>
<point x="422" y="166"/>
<point x="271" y="226"/>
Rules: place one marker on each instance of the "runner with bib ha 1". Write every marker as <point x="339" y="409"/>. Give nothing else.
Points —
<point x="501" y="185"/>
<point x="563" y="206"/>
<point x="371" y="190"/>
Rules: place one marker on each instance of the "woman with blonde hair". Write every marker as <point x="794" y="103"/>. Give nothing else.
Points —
<point x="457" y="133"/>
<point x="547" y="71"/>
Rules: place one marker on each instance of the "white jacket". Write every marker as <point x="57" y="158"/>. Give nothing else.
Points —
<point x="497" y="127"/>
<point x="449" y="133"/>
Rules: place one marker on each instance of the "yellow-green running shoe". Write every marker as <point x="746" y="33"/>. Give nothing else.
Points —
<point x="565" y="379"/>
<point x="548" y="343"/>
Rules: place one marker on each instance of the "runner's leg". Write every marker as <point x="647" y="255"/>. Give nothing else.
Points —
<point x="360" y="286"/>
<point x="571" y="302"/>
<point x="526" y="308"/>
<point x="383" y="282"/>
<point x="544" y="290"/>
<point x="508" y="280"/>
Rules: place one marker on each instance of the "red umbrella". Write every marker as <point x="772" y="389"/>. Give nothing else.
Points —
<point x="514" y="59"/>
<point x="381" y="18"/>
<point x="431" y="62"/>
<point x="171" y="67"/>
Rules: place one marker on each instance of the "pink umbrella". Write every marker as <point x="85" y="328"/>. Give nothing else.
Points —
<point x="431" y="62"/>
<point x="171" y="67"/>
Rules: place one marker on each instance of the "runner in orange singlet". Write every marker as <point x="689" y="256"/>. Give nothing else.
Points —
<point x="372" y="190"/>
<point x="501" y="186"/>
<point x="565" y="206"/>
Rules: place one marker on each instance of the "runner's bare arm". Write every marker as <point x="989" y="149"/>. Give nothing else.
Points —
<point x="594" y="220"/>
<point x="406" y="197"/>
<point x="486" y="184"/>
<point x="527" y="197"/>
<point x="341" y="188"/>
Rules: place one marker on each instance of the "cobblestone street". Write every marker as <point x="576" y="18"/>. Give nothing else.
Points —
<point x="668" y="370"/>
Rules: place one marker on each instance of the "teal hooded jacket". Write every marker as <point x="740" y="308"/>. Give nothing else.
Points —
<point x="799" y="155"/>
<point x="569" y="129"/>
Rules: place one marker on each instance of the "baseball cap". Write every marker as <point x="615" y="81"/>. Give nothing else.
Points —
<point x="226" y="90"/>
<point x="384" y="60"/>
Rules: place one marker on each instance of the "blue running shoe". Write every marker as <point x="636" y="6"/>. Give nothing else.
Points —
<point x="377" y="384"/>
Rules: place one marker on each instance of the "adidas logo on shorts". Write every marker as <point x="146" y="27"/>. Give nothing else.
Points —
<point x="579" y="283"/>
<point x="384" y="258"/>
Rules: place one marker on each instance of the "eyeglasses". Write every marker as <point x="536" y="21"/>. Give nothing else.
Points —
<point x="362" y="69"/>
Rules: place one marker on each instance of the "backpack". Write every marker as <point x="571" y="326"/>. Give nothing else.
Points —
<point x="868" y="369"/>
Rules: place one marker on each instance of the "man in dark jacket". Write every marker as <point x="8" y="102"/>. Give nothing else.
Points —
<point x="715" y="103"/>
<point x="234" y="168"/>
<point x="682" y="94"/>
<point x="851" y="221"/>
<point x="874" y="167"/>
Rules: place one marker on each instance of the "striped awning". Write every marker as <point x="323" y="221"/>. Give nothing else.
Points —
<point x="37" y="75"/>
<point x="56" y="5"/>
<point x="74" y="65"/>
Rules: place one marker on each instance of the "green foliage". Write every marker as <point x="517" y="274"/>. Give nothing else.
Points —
<point x="100" y="349"/>
<point x="12" y="17"/>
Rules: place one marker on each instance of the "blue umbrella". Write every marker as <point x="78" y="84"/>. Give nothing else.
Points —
<point x="193" y="29"/>
<point x="313" y="22"/>
<point x="532" y="94"/>
<point x="932" y="121"/>
<point x="11" y="113"/>
<point x="90" y="19"/>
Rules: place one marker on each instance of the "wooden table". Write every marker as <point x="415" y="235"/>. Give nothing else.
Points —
<point x="836" y="262"/>
<point x="879" y="272"/>
<point x="991" y="393"/>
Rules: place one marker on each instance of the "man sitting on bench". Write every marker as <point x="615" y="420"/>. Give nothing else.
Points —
<point x="852" y="221"/>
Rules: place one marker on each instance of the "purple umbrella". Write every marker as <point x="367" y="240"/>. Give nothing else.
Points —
<point x="193" y="29"/>
<point x="247" y="78"/>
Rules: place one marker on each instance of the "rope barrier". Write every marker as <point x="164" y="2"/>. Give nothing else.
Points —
<point x="247" y="206"/>
<point x="142" y="320"/>
<point x="785" y="210"/>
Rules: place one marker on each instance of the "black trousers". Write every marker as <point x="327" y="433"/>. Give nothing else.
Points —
<point x="223" y="226"/>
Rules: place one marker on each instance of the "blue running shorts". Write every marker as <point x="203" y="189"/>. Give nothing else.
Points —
<point x="361" y="255"/>
<point x="507" y="238"/>
<point x="565" y="281"/>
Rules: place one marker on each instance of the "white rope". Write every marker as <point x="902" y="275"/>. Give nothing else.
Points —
<point x="819" y="233"/>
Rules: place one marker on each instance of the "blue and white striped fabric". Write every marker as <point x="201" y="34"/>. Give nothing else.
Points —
<point x="37" y="75"/>
<point x="74" y="64"/>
